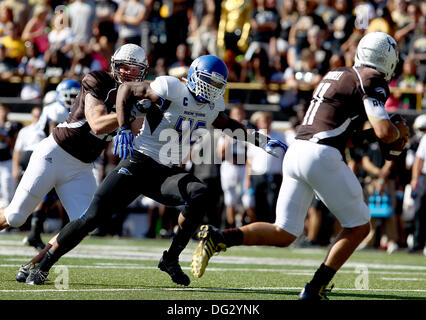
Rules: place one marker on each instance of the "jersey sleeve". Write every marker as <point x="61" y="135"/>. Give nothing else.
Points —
<point x="167" y="87"/>
<point x="220" y="105"/>
<point x="376" y="87"/>
<point x="98" y="84"/>
<point x="421" y="150"/>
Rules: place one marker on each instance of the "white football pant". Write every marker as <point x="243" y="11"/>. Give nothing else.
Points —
<point x="309" y="167"/>
<point x="51" y="167"/>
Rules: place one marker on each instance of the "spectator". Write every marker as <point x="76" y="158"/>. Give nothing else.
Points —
<point x="6" y="15"/>
<point x="20" y="12"/>
<point x="265" y="172"/>
<point x="233" y="170"/>
<point x="8" y="132"/>
<point x="326" y="11"/>
<point x="36" y="29"/>
<point x="382" y="22"/>
<point x="381" y="183"/>
<point x="60" y="36"/>
<point x="298" y="36"/>
<point x="105" y="10"/>
<point x="179" y="68"/>
<point x="161" y="67"/>
<point x="417" y="51"/>
<point x="404" y="35"/>
<point x="102" y="45"/>
<point x="399" y="13"/>
<point x="234" y="27"/>
<point x="316" y="40"/>
<point x="174" y="13"/>
<point x="203" y="28"/>
<point x="33" y="62"/>
<point x="306" y="71"/>
<point x="263" y="23"/>
<point x="257" y="70"/>
<point x="342" y="25"/>
<point x="288" y="17"/>
<point x="15" y="47"/>
<point x="129" y="17"/>
<point x="407" y="80"/>
<point x="82" y="15"/>
<point x="27" y="138"/>
<point x="56" y="65"/>
<point x="336" y="61"/>
<point x="7" y="68"/>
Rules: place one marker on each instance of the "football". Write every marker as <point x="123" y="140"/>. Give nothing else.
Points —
<point x="393" y="150"/>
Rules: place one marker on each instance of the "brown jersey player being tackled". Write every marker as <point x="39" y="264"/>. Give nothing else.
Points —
<point x="341" y="103"/>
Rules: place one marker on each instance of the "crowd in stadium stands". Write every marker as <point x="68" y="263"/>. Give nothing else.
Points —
<point x="288" y="42"/>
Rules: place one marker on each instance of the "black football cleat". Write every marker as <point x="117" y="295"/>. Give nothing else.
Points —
<point x="311" y="293"/>
<point x="24" y="272"/>
<point x="172" y="267"/>
<point x="37" y="277"/>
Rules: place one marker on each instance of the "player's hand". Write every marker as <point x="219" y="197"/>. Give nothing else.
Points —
<point x="275" y="147"/>
<point x="140" y="109"/>
<point x="123" y="142"/>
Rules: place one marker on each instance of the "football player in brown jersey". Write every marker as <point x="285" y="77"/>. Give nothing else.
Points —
<point x="313" y="165"/>
<point x="64" y="160"/>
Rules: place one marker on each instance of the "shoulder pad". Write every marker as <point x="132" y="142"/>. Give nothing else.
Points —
<point x="375" y="86"/>
<point x="167" y="87"/>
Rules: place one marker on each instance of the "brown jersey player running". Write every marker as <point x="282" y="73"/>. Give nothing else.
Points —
<point x="342" y="102"/>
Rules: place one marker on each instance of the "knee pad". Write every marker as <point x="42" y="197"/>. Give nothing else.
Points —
<point x="15" y="219"/>
<point x="21" y="207"/>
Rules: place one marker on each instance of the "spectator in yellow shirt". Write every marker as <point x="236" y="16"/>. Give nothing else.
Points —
<point x="15" y="46"/>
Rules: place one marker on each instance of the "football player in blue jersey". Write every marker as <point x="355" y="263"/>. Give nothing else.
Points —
<point x="149" y="168"/>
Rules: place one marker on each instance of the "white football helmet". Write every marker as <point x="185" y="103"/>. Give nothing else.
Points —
<point x="419" y="125"/>
<point x="130" y="55"/>
<point x="377" y="50"/>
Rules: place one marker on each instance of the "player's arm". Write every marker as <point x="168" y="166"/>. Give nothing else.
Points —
<point x="134" y="97"/>
<point x="223" y="121"/>
<point x="383" y="127"/>
<point x="96" y="115"/>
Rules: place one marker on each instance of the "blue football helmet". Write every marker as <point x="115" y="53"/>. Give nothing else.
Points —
<point x="66" y="92"/>
<point x="207" y="77"/>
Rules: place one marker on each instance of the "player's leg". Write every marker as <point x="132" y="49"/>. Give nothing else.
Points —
<point x="342" y="194"/>
<point x="293" y="202"/>
<point x="38" y="179"/>
<point x="116" y="191"/>
<point x="178" y="187"/>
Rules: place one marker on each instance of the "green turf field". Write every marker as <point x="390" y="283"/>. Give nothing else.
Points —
<point x="126" y="269"/>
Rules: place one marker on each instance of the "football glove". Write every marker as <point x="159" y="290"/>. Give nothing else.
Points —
<point x="123" y="142"/>
<point x="275" y="147"/>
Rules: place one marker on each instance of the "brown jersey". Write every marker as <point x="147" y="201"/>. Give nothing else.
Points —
<point x="75" y="135"/>
<point x="336" y="110"/>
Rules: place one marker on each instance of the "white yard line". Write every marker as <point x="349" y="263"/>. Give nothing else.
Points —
<point x="155" y="253"/>
<point x="198" y="289"/>
<point x="292" y="272"/>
